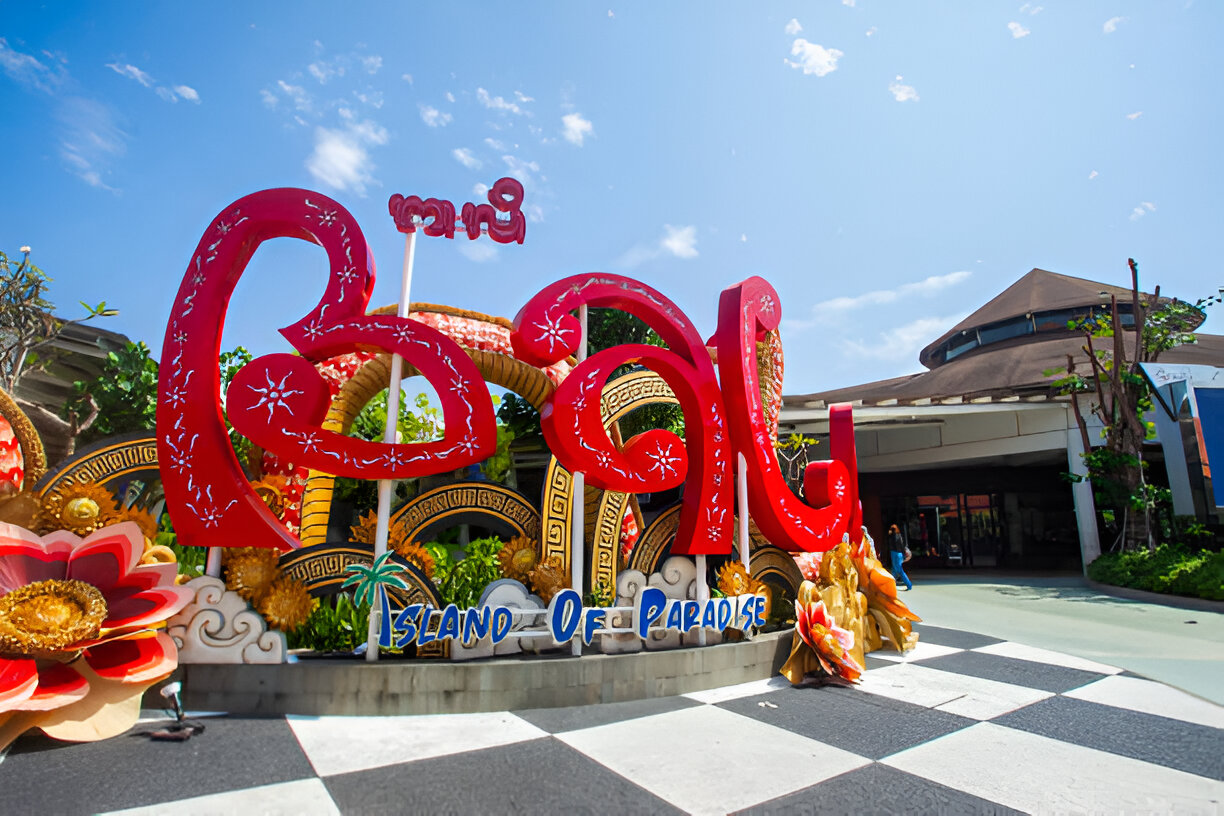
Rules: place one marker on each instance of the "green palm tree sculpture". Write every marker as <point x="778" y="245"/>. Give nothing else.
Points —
<point x="369" y="584"/>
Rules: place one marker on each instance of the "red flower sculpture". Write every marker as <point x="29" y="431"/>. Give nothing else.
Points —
<point x="828" y="642"/>
<point x="78" y="615"/>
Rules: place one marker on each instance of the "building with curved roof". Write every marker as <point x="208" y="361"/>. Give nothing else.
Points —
<point x="969" y="456"/>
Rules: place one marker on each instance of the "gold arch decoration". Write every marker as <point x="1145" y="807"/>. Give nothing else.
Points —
<point x="529" y="382"/>
<point x="777" y="567"/>
<point x="655" y="542"/>
<point x="33" y="455"/>
<point x="507" y="512"/>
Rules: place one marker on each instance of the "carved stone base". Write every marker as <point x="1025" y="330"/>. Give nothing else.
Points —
<point x="220" y="627"/>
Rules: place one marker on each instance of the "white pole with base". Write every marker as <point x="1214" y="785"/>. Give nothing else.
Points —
<point x="578" y="501"/>
<point x="385" y="486"/>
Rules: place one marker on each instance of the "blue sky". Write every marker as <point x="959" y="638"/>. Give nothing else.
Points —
<point x="887" y="166"/>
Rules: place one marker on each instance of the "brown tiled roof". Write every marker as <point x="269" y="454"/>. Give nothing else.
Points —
<point x="1038" y="291"/>
<point x="1009" y="369"/>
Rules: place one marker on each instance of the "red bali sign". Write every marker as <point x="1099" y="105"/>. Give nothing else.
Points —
<point x="279" y="401"/>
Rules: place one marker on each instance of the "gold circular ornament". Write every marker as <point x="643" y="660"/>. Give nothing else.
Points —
<point x="49" y="616"/>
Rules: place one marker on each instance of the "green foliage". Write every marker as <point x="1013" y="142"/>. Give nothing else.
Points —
<point x="519" y="416"/>
<point x="424" y="424"/>
<point x="340" y="626"/>
<point x="602" y="595"/>
<point x="125" y="395"/>
<point x="612" y="327"/>
<point x="470" y="570"/>
<point x="1171" y="568"/>
<point x="26" y="321"/>
<point x="497" y="466"/>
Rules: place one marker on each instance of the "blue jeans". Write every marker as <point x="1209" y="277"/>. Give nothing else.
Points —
<point x="898" y="569"/>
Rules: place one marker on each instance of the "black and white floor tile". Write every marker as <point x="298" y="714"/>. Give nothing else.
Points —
<point x="963" y="724"/>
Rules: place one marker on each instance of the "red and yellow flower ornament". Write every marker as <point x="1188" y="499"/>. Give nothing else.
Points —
<point x="821" y="647"/>
<point x="79" y="639"/>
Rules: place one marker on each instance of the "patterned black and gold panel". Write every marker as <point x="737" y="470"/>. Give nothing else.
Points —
<point x="654" y="545"/>
<point x="496" y="507"/>
<point x="111" y="462"/>
<point x="321" y="569"/>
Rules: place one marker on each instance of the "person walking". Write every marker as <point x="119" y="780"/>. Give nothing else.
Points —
<point x="896" y="555"/>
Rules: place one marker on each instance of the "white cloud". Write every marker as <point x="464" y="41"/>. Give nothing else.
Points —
<point x="28" y="70"/>
<point x="849" y="3"/>
<point x="407" y="78"/>
<point x="496" y="102"/>
<point x="522" y="97"/>
<point x="1031" y="9"/>
<point x="903" y="93"/>
<point x="1093" y="175"/>
<point x="480" y="190"/>
<point x="301" y="99"/>
<point x="371" y="64"/>
<point x="610" y="14"/>
<point x="872" y="31"/>
<point x="450" y="97"/>
<point x="90" y="139"/>
<point x="1143" y="209"/>
<point x="839" y="309"/>
<point x="434" y="117"/>
<point x="743" y="237"/>
<point x="1111" y="25"/>
<point x="680" y="241"/>
<point x="269" y="98"/>
<point x="500" y="147"/>
<point x="900" y="343"/>
<point x="1134" y="116"/>
<point x="813" y="58"/>
<point x="1017" y="30"/>
<point x="131" y="72"/>
<point x="188" y="93"/>
<point x="323" y="71"/>
<point x="465" y="157"/>
<point x="479" y="251"/>
<point x="576" y="128"/>
<point x="341" y="159"/>
<point x="522" y="170"/>
<point x="793" y="27"/>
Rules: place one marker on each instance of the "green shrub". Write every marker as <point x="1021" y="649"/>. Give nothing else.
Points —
<point x="463" y="582"/>
<point x="341" y="627"/>
<point x="1171" y="569"/>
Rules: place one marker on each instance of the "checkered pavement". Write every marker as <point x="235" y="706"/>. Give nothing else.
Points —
<point x="963" y="724"/>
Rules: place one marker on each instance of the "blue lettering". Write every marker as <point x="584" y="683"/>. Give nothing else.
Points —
<point x="406" y="623"/>
<point x="759" y="613"/>
<point x="427" y="636"/>
<point x="591" y="619"/>
<point x="476" y="624"/>
<point x="448" y="629"/>
<point x="692" y="610"/>
<point x="564" y="615"/>
<point x="746" y="616"/>
<point x="707" y="615"/>
<point x="724" y="613"/>
<point x="503" y="619"/>
<point x="651" y="602"/>
<point x="675" y="615"/>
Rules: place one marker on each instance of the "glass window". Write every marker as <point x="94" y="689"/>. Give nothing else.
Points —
<point x="1054" y="321"/>
<point x="1004" y="331"/>
<point x="960" y="345"/>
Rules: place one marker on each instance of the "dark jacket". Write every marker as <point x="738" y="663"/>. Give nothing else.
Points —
<point x="896" y="543"/>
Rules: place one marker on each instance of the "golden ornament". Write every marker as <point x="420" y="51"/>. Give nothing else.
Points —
<point x="49" y="616"/>
<point x="416" y="555"/>
<point x="79" y="508"/>
<point x="143" y="518"/>
<point x="158" y="554"/>
<point x="518" y="558"/>
<point x="548" y="578"/>
<point x="363" y="532"/>
<point x="286" y="605"/>
<point x="250" y="571"/>
<point x="271" y="489"/>
<point x="734" y="580"/>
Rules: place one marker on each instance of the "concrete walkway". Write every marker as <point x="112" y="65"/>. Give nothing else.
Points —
<point x="1181" y="647"/>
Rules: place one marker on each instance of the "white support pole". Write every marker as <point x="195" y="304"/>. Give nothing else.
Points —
<point x="1081" y="494"/>
<point x="703" y="594"/>
<point x="741" y="505"/>
<point x="578" y="499"/>
<point x="212" y="564"/>
<point x="385" y="486"/>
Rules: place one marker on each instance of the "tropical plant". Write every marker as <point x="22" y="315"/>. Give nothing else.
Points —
<point x="1121" y="397"/>
<point x="340" y="626"/>
<point x="472" y="569"/>
<point x="369" y="585"/>
<point x="26" y="322"/>
<point x="123" y="396"/>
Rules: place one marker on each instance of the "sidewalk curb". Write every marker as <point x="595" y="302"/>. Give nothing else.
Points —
<point x="1178" y="601"/>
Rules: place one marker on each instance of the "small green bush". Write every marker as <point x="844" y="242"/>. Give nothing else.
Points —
<point x="333" y="628"/>
<point x="1172" y="569"/>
